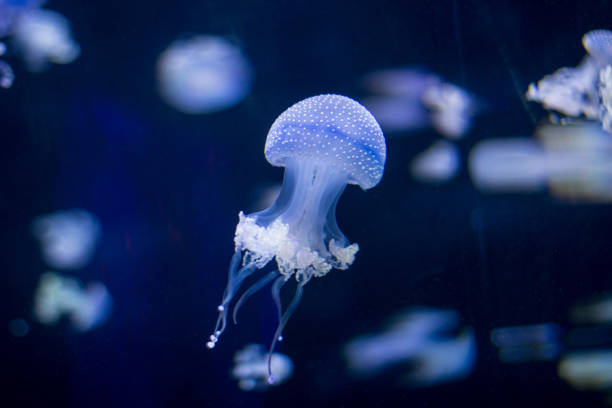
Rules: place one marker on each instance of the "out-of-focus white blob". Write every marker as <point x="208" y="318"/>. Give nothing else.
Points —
<point x="593" y="311"/>
<point x="67" y="238"/>
<point x="57" y="296"/>
<point x="18" y="327"/>
<point x="396" y="114"/>
<point x="439" y="163"/>
<point x="519" y="344"/>
<point x="6" y="75"/>
<point x="575" y="161"/>
<point x="451" y="109"/>
<point x="508" y="165"/>
<point x="203" y="74"/>
<point x="423" y="337"/>
<point x="408" y="99"/>
<point x="598" y="43"/>
<point x="251" y="368"/>
<point x="605" y="93"/>
<point x="584" y="91"/>
<point x="10" y="9"/>
<point x="587" y="370"/>
<point x="43" y="36"/>
<point x="569" y="91"/>
<point x="579" y="161"/>
<point x="405" y="82"/>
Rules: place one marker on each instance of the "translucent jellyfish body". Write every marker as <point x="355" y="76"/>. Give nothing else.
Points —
<point x="59" y="296"/>
<point x="408" y="99"/>
<point x="44" y="37"/>
<point x="251" y="369"/>
<point x="426" y="337"/>
<point x="324" y="142"/>
<point x="203" y="74"/>
<point x="67" y="238"/>
<point x="440" y="162"/>
<point x="584" y="91"/>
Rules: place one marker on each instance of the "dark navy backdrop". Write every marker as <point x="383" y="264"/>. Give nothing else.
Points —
<point x="167" y="188"/>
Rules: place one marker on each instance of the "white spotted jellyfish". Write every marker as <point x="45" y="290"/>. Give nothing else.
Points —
<point x="324" y="142"/>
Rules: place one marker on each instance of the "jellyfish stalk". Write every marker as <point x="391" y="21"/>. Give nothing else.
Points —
<point x="324" y="143"/>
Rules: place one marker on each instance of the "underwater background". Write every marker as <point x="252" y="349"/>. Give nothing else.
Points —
<point x="166" y="188"/>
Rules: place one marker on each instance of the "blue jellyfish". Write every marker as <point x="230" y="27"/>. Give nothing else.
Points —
<point x="324" y="142"/>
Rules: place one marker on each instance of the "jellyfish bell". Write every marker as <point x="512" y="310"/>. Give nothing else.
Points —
<point x="203" y="74"/>
<point x="324" y="143"/>
<point x="44" y="36"/>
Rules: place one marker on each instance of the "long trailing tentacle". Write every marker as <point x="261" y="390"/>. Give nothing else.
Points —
<point x="253" y="289"/>
<point x="283" y="322"/>
<point x="235" y="278"/>
<point x="276" y="287"/>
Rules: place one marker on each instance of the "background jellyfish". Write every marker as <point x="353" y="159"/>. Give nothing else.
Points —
<point x="6" y="73"/>
<point x="420" y="335"/>
<point x="203" y="74"/>
<point x="43" y="37"/>
<point x="251" y="369"/>
<point x="324" y="142"/>
<point x="583" y="91"/>
<point x="57" y="296"/>
<point x="439" y="163"/>
<point x="67" y="238"/>
<point x="40" y="36"/>
<point x="409" y="99"/>
<point x="573" y="161"/>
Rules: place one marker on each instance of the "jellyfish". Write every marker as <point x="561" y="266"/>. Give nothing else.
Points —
<point x="407" y="99"/>
<point x="250" y="368"/>
<point x="439" y="163"/>
<point x="203" y="74"/>
<point x="68" y="238"/>
<point x="583" y="91"/>
<point x="6" y="73"/>
<point x="431" y="339"/>
<point x="324" y="142"/>
<point x="58" y="295"/>
<point x="44" y="36"/>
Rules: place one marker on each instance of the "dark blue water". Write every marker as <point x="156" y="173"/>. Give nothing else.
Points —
<point x="167" y="188"/>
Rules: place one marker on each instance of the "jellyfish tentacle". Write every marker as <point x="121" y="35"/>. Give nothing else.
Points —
<point x="283" y="322"/>
<point x="252" y="290"/>
<point x="276" y="287"/>
<point x="235" y="278"/>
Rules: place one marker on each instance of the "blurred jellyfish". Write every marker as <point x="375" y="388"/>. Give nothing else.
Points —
<point x="67" y="238"/>
<point x="519" y="344"/>
<point x="6" y="74"/>
<point x="574" y="161"/>
<point x="57" y="296"/>
<point x="423" y="339"/>
<point x="440" y="162"/>
<point x="11" y="9"/>
<point x="587" y="369"/>
<point x="43" y="36"/>
<point x="515" y="164"/>
<point x="584" y="91"/>
<point x="251" y="368"/>
<point x="596" y="310"/>
<point x="203" y="74"/>
<point x="324" y="142"/>
<point x="409" y="99"/>
<point x="605" y="92"/>
<point x="451" y="109"/>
